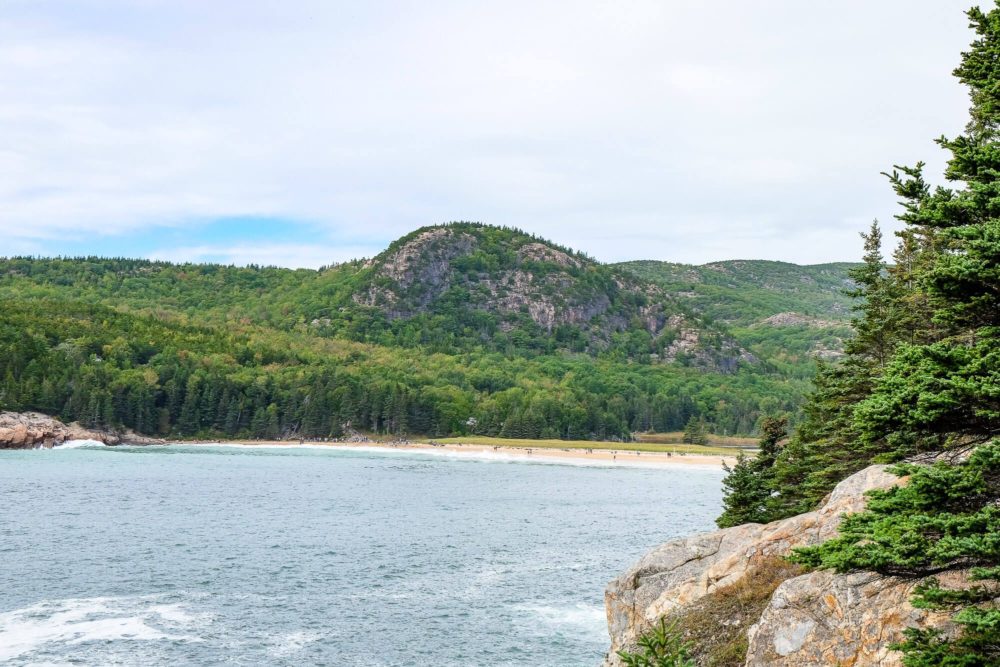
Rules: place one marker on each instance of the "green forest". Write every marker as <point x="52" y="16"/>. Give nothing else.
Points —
<point x="453" y="330"/>
<point x="106" y="368"/>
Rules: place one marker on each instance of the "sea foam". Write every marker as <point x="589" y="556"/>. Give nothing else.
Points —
<point x="78" y="620"/>
<point x="579" y="618"/>
<point x="80" y="444"/>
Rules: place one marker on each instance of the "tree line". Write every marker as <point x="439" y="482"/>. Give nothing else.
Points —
<point x="163" y="376"/>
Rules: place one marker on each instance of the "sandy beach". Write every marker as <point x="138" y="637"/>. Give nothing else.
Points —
<point x="513" y="453"/>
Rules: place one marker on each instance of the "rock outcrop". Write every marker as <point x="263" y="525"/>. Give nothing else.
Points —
<point x="790" y="319"/>
<point x="822" y="618"/>
<point x="816" y="618"/>
<point x="30" y="430"/>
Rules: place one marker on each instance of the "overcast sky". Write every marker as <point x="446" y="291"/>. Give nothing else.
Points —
<point x="301" y="132"/>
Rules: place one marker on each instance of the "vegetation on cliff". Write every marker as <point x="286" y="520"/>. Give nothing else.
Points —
<point x="662" y="646"/>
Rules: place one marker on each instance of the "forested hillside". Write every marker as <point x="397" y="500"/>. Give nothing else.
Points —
<point x="787" y="314"/>
<point x="455" y="329"/>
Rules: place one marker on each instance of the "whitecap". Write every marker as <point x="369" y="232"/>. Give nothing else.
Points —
<point x="78" y="620"/>
<point x="80" y="444"/>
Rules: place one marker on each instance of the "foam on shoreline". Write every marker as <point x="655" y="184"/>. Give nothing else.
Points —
<point x="80" y="444"/>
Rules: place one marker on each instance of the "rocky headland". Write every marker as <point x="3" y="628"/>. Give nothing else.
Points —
<point x="739" y="602"/>
<point x="32" y="430"/>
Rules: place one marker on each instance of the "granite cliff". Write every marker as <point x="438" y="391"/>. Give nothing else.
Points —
<point x="737" y="600"/>
<point x="31" y="430"/>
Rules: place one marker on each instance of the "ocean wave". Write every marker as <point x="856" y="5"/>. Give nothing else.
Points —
<point x="80" y="444"/>
<point x="77" y="620"/>
<point x="292" y="642"/>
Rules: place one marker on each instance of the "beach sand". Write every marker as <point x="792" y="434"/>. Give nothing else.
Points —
<point x="513" y="453"/>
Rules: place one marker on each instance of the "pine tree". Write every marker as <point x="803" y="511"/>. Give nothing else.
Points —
<point x="748" y="485"/>
<point x="188" y="420"/>
<point x="828" y="445"/>
<point x="944" y="392"/>
<point x="695" y="432"/>
<point x="876" y="327"/>
<point x="940" y="388"/>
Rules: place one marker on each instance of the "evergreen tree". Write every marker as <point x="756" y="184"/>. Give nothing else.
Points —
<point x="828" y="446"/>
<point x="748" y="485"/>
<point x="695" y="432"/>
<point x="940" y="388"/>
<point x="943" y="392"/>
<point x="876" y="327"/>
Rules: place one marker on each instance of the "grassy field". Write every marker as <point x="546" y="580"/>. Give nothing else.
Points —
<point x="677" y="437"/>
<point x="584" y="444"/>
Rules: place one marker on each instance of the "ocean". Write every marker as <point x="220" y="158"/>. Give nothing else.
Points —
<point x="227" y="555"/>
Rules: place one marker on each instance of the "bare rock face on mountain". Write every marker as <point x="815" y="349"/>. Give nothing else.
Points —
<point x="790" y="319"/>
<point x="505" y="273"/>
<point x="489" y="282"/>
<point x="810" y="619"/>
<point x="30" y="430"/>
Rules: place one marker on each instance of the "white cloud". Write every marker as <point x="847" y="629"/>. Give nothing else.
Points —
<point x="675" y="130"/>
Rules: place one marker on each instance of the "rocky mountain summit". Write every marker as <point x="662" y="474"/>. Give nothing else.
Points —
<point x="31" y="430"/>
<point x="739" y="602"/>
<point x="492" y="281"/>
<point x="508" y="273"/>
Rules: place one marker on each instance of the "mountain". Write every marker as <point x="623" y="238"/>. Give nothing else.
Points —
<point x="514" y="278"/>
<point x="784" y="313"/>
<point x="469" y="284"/>
<point x="744" y="292"/>
<point x="452" y="329"/>
<point x="462" y="286"/>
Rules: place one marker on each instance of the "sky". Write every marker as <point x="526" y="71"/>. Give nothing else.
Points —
<point x="307" y="132"/>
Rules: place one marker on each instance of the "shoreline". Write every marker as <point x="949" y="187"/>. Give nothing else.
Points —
<point x="603" y="457"/>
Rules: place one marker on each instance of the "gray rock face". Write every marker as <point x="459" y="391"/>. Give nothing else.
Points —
<point x="822" y="618"/>
<point x="514" y="277"/>
<point x="29" y="430"/>
<point x="680" y="572"/>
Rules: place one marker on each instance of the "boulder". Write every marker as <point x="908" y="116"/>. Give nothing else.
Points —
<point x="29" y="430"/>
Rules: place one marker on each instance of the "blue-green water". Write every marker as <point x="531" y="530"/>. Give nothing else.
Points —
<point x="298" y="556"/>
